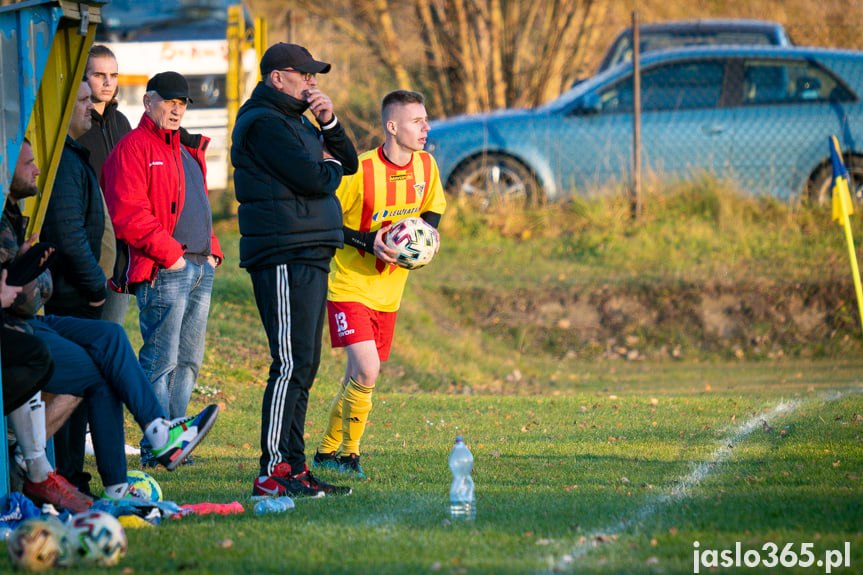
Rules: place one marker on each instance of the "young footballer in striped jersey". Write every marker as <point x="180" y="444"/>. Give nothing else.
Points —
<point x="394" y="181"/>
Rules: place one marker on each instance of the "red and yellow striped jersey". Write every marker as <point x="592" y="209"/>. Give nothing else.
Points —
<point x="381" y="193"/>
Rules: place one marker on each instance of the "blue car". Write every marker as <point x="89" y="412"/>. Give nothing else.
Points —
<point x="705" y="32"/>
<point x="758" y="116"/>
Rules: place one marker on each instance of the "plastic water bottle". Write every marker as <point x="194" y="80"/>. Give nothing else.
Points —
<point x="274" y="505"/>
<point x="461" y="497"/>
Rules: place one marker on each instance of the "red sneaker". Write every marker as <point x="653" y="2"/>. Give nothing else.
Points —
<point x="281" y="483"/>
<point x="58" y="492"/>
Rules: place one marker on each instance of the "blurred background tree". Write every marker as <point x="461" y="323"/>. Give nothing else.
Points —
<point x="475" y="55"/>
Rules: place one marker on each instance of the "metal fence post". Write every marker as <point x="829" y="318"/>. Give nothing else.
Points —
<point x="638" y="202"/>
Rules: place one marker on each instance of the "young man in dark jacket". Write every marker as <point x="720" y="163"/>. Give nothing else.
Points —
<point x="286" y="174"/>
<point x="109" y="125"/>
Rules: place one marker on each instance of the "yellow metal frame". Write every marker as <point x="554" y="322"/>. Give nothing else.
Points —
<point x="261" y="40"/>
<point x="55" y="99"/>
<point x="238" y="44"/>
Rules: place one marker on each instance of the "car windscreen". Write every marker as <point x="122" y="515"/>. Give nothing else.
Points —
<point x="652" y="42"/>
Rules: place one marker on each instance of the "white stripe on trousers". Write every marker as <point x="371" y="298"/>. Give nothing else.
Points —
<point x="286" y="358"/>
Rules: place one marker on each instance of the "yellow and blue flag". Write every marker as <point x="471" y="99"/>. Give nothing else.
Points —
<point x="842" y="206"/>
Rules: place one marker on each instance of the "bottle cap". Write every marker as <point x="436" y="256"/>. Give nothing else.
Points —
<point x="459" y="438"/>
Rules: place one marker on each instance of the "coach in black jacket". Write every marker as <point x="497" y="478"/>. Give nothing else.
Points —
<point x="286" y="172"/>
<point x="75" y="222"/>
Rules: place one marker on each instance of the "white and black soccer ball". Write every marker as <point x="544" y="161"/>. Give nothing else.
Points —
<point x="415" y="240"/>
<point x="100" y="537"/>
<point x="142" y="484"/>
<point x="41" y="544"/>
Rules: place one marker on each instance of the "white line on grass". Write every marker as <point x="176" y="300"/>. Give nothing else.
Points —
<point x="683" y="485"/>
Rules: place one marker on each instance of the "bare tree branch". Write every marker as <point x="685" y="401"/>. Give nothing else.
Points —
<point x="498" y="80"/>
<point x="471" y="55"/>
<point x="435" y="61"/>
<point x="391" y="47"/>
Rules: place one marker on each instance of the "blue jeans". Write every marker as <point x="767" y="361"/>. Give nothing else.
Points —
<point x="95" y="360"/>
<point x="173" y="312"/>
<point x="115" y="306"/>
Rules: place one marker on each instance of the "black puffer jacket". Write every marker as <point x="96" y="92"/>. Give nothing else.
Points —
<point x="107" y="130"/>
<point x="75" y="222"/>
<point x="288" y="209"/>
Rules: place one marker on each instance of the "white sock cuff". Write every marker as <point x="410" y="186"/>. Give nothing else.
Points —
<point x="117" y="491"/>
<point x="157" y="432"/>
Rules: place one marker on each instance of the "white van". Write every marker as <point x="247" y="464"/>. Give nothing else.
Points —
<point x="185" y="36"/>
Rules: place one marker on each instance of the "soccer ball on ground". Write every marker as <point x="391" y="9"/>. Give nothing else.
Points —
<point x="415" y="240"/>
<point x="141" y="484"/>
<point x="40" y="544"/>
<point x="101" y="539"/>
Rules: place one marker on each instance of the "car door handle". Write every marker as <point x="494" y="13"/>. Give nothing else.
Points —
<point x="712" y="128"/>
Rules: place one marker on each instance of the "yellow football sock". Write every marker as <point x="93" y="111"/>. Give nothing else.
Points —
<point x="356" y="405"/>
<point x="333" y="435"/>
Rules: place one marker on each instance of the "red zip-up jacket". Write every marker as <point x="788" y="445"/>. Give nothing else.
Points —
<point x="145" y="189"/>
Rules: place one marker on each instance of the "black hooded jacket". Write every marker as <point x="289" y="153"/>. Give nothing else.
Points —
<point x="106" y="131"/>
<point x="288" y="211"/>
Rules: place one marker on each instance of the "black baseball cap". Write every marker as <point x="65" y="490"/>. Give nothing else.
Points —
<point x="170" y="86"/>
<point x="284" y="55"/>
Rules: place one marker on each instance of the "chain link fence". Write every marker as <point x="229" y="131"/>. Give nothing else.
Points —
<point x="757" y="117"/>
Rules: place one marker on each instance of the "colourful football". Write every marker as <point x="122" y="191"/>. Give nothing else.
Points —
<point x="143" y="485"/>
<point x="415" y="240"/>
<point x="101" y="539"/>
<point x="40" y="544"/>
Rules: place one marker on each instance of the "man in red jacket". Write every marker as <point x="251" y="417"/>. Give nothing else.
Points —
<point x="155" y="187"/>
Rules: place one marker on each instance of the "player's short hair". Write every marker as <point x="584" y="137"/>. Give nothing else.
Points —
<point x="400" y="97"/>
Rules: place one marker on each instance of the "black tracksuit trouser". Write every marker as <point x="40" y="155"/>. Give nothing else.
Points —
<point x="291" y="300"/>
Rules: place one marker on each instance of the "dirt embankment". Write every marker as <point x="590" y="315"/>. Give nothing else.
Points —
<point x="759" y="320"/>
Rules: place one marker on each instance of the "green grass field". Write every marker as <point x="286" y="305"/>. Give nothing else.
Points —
<point x="621" y="475"/>
<point x="580" y="466"/>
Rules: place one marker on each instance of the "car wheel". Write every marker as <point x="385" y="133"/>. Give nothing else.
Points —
<point x="819" y="189"/>
<point x="493" y="179"/>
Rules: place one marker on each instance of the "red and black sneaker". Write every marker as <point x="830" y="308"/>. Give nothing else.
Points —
<point x="307" y="479"/>
<point x="281" y="483"/>
<point x="58" y="492"/>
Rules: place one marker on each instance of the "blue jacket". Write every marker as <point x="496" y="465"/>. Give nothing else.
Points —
<point x="288" y="211"/>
